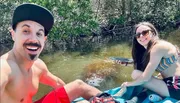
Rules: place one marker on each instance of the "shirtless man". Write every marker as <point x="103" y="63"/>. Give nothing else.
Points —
<point x="21" y="69"/>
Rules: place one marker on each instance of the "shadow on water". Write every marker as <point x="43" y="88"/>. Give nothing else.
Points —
<point x="70" y="66"/>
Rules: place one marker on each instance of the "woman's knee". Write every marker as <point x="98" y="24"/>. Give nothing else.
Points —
<point x="135" y="74"/>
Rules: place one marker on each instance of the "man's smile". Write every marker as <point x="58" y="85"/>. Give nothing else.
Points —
<point x="32" y="47"/>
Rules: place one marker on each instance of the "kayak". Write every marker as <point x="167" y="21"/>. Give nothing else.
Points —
<point x="122" y="100"/>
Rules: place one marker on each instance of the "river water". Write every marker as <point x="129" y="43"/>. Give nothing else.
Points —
<point x="71" y="66"/>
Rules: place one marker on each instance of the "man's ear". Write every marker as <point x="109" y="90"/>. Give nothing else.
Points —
<point x="45" y="38"/>
<point x="12" y="32"/>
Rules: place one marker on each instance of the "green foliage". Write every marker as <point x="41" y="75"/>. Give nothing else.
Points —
<point x="120" y="21"/>
<point x="6" y="8"/>
<point x="161" y="13"/>
<point x="74" y="18"/>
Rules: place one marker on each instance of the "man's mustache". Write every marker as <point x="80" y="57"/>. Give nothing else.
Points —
<point x="32" y="44"/>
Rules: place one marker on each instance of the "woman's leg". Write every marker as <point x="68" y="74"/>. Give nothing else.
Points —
<point x="78" y="88"/>
<point x="154" y="84"/>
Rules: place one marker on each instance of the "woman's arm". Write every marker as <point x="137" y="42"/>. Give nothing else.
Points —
<point x="156" y="54"/>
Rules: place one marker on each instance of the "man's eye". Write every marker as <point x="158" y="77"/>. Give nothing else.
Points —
<point x="39" y="34"/>
<point x="25" y="31"/>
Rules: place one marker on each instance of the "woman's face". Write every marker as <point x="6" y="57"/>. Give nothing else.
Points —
<point x="143" y="35"/>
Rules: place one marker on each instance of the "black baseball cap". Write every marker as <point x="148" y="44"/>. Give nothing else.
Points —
<point x="35" y="13"/>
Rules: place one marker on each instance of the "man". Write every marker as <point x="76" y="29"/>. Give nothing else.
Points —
<point x="21" y="69"/>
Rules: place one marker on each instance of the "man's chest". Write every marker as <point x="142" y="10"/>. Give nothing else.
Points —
<point x="23" y="85"/>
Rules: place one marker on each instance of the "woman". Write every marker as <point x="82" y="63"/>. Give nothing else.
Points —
<point x="152" y="54"/>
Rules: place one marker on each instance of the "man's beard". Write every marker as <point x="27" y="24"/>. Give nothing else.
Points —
<point x="32" y="57"/>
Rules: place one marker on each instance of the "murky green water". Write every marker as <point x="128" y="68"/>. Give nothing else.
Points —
<point x="70" y="67"/>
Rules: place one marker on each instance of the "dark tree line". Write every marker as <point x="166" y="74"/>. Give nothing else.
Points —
<point x="78" y="22"/>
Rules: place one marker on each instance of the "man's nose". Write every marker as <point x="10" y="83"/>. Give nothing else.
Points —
<point x="33" y="37"/>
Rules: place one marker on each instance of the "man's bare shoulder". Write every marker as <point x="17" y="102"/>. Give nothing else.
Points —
<point x="5" y="66"/>
<point x="4" y="56"/>
<point x="7" y="62"/>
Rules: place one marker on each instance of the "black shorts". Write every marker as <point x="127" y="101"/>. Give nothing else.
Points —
<point x="173" y="84"/>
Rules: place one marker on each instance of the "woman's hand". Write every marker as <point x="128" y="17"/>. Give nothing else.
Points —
<point x="125" y="84"/>
<point x="122" y="90"/>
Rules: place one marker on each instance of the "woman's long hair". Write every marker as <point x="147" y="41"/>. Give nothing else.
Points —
<point x="141" y="55"/>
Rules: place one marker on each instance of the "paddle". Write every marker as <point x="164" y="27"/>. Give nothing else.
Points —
<point x="122" y="61"/>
